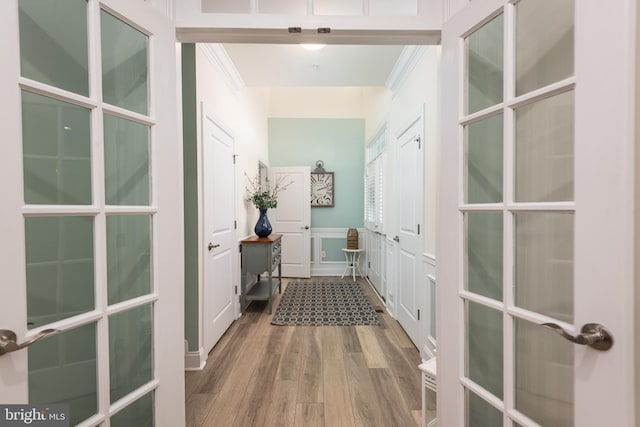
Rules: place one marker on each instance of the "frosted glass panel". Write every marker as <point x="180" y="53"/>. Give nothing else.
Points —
<point x="130" y="350"/>
<point x="62" y="369"/>
<point x="60" y="268"/>
<point x="126" y="162"/>
<point x="56" y="146"/>
<point x="226" y="6"/>
<point x="53" y="43"/>
<point x="285" y="7"/>
<point x="544" y="263"/>
<point x="128" y="256"/>
<point x="138" y="414"/>
<point x="484" y="347"/>
<point x="479" y="413"/>
<point x="484" y="66"/>
<point x="544" y="375"/>
<point x="544" y="43"/>
<point x="338" y="7"/>
<point x="483" y="160"/>
<point x="484" y="254"/>
<point x="544" y="150"/>
<point x="124" y="65"/>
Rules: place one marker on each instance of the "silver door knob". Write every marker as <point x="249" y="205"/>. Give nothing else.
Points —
<point x="592" y="334"/>
<point x="9" y="340"/>
<point x="212" y="246"/>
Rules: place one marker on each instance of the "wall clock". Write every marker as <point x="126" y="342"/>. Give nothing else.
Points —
<point x="322" y="188"/>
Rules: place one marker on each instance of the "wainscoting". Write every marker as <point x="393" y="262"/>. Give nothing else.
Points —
<point x="327" y="258"/>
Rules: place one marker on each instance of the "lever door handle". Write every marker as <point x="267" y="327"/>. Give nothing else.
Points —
<point x="592" y="334"/>
<point x="9" y="340"/>
<point x="306" y="227"/>
<point x="397" y="239"/>
<point x="212" y="246"/>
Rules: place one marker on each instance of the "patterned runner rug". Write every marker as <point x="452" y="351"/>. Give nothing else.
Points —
<point x="324" y="303"/>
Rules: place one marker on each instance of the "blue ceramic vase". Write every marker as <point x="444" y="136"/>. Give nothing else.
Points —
<point x="263" y="226"/>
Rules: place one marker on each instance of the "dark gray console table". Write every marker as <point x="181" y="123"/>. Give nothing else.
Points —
<point x="260" y="257"/>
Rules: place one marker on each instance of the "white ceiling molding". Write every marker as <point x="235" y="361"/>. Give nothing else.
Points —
<point x="404" y="65"/>
<point x="217" y="55"/>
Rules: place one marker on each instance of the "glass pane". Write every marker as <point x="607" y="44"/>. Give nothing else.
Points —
<point x="483" y="160"/>
<point x="126" y="162"/>
<point x="56" y="147"/>
<point x="484" y="254"/>
<point x="479" y="413"/>
<point x="484" y="347"/>
<point x="544" y="150"/>
<point x="124" y="65"/>
<point x="484" y="66"/>
<point x="53" y="43"/>
<point x="60" y="268"/>
<point x="130" y="350"/>
<point x="544" y="43"/>
<point x="62" y="369"/>
<point x="128" y="256"/>
<point x="138" y="414"/>
<point x="544" y="263"/>
<point x="544" y="375"/>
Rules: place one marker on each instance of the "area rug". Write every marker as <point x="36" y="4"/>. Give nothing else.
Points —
<point x="324" y="303"/>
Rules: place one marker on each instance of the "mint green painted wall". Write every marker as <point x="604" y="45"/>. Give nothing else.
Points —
<point x="337" y="142"/>
<point x="333" y="249"/>
<point x="190" y="159"/>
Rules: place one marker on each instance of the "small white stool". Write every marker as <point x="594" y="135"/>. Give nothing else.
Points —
<point x="353" y="262"/>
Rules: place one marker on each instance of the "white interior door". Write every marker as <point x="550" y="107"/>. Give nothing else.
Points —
<point x="292" y="218"/>
<point x="219" y="229"/>
<point x="92" y="211"/>
<point x="410" y="306"/>
<point x="536" y="214"/>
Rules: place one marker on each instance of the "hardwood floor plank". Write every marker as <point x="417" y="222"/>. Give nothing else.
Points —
<point x="350" y="339"/>
<point x="370" y="347"/>
<point x="403" y="363"/>
<point x="291" y="361"/>
<point x="366" y="409"/>
<point x="310" y="415"/>
<point x="281" y="411"/>
<point x="393" y="408"/>
<point x="257" y="397"/>
<point x="336" y="386"/>
<point x="310" y="387"/>
<point x="197" y="409"/>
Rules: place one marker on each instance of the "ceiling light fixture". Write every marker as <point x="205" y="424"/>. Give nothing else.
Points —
<point x="313" y="46"/>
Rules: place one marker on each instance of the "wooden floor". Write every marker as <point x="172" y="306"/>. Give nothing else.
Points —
<point x="327" y="376"/>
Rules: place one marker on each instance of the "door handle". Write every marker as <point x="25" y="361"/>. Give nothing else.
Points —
<point x="9" y="340"/>
<point x="397" y="239"/>
<point x="306" y="227"/>
<point x="592" y="334"/>
<point x="212" y="246"/>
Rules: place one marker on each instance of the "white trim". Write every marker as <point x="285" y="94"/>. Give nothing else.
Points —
<point x="429" y="259"/>
<point x="332" y="268"/>
<point x="217" y="55"/>
<point x="403" y="67"/>
<point x="194" y="360"/>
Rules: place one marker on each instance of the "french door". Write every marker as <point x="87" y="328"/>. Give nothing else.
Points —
<point x="91" y="213"/>
<point x="536" y="214"/>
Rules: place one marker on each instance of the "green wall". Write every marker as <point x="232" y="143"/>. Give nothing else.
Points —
<point x="190" y="159"/>
<point x="337" y="142"/>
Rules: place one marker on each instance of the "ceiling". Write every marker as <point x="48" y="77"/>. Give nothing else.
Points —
<point x="279" y="65"/>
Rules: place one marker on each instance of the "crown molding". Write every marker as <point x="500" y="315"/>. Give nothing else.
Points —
<point x="404" y="65"/>
<point x="217" y="55"/>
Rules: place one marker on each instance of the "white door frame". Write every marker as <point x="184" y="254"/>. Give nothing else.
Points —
<point x="604" y="202"/>
<point x="168" y="268"/>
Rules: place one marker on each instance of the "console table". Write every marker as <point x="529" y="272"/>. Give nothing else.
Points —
<point x="260" y="257"/>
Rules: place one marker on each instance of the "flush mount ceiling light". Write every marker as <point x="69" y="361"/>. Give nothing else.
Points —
<point x="312" y="46"/>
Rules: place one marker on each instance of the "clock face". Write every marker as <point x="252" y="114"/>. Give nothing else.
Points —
<point x="322" y="189"/>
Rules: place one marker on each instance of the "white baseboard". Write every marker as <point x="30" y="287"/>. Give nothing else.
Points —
<point x="195" y="360"/>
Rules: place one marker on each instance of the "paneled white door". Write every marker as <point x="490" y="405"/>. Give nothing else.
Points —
<point x="292" y="218"/>
<point x="410" y="307"/>
<point x="92" y="211"/>
<point x="219" y="243"/>
<point x="536" y="214"/>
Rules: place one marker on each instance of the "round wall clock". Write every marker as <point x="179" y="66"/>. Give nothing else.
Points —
<point x="322" y="186"/>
